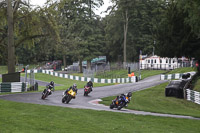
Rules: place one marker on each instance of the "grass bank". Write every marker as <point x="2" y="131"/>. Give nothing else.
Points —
<point x="23" y="118"/>
<point x="66" y="83"/>
<point x="182" y="70"/>
<point x="154" y="100"/>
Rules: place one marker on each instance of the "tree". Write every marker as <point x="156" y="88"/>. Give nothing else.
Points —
<point x="80" y="30"/>
<point x="29" y="25"/>
<point x="140" y="21"/>
<point x="176" y="36"/>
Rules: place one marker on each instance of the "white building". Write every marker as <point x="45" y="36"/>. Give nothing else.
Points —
<point x="157" y="62"/>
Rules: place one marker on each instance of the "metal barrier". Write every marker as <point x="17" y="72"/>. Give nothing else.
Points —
<point x="12" y="87"/>
<point x="193" y="96"/>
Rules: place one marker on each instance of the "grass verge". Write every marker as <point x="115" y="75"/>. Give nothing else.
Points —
<point x="182" y="70"/>
<point x="154" y="100"/>
<point x="66" y="83"/>
<point x="23" y="118"/>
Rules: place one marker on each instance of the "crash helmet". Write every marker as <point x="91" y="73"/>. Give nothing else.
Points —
<point x="74" y="85"/>
<point x="129" y="94"/>
<point x="52" y="83"/>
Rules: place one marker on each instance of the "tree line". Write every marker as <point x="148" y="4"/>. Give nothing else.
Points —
<point x="69" y="30"/>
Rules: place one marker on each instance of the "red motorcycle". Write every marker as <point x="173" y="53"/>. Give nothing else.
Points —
<point x="87" y="90"/>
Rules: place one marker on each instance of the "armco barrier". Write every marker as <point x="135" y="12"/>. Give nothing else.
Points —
<point x="193" y="96"/>
<point x="95" y="80"/>
<point x="174" y="76"/>
<point x="12" y="87"/>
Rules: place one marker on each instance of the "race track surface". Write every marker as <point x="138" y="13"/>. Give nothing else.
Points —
<point x="91" y="101"/>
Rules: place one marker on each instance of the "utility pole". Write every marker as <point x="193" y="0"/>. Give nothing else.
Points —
<point x="125" y="35"/>
<point x="154" y="47"/>
<point x="140" y="56"/>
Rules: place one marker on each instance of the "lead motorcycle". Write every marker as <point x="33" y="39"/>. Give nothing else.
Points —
<point x="120" y="102"/>
<point x="87" y="90"/>
<point x="68" y="96"/>
<point x="45" y="93"/>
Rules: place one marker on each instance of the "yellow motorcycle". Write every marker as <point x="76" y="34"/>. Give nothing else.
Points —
<point x="68" y="96"/>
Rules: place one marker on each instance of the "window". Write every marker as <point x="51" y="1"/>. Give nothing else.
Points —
<point x="155" y="61"/>
<point x="148" y="61"/>
<point x="166" y="60"/>
<point x="160" y="61"/>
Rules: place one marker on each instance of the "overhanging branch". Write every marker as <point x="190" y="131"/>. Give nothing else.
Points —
<point x="29" y="38"/>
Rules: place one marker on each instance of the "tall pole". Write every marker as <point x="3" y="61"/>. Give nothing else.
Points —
<point x="125" y="35"/>
<point x="11" y="47"/>
<point x="140" y="56"/>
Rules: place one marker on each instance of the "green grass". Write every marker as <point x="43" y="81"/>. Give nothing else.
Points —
<point x="113" y="74"/>
<point x="3" y="69"/>
<point x="154" y="100"/>
<point x="63" y="81"/>
<point x="124" y="73"/>
<point x="148" y="73"/>
<point x="22" y="118"/>
<point x="197" y="85"/>
<point x="182" y="70"/>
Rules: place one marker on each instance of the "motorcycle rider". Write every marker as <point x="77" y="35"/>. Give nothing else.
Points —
<point x="73" y="87"/>
<point x="122" y="97"/>
<point x="90" y="84"/>
<point x="49" y="86"/>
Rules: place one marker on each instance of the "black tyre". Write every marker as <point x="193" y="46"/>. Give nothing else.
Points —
<point x="85" y="93"/>
<point x="119" y="107"/>
<point x="111" y="106"/>
<point x="63" y="99"/>
<point x="43" y="97"/>
<point x="68" y="99"/>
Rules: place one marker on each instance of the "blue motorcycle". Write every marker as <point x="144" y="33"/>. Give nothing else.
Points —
<point x="120" y="102"/>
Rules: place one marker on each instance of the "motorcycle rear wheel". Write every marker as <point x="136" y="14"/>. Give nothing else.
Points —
<point x="119" y="107"/>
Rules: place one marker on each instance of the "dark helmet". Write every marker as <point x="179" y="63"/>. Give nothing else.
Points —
<point x="51" y="83"/>
<point x="90" y="81"/>
<point x="74" y="85"/>
<point x="129" y="94"/>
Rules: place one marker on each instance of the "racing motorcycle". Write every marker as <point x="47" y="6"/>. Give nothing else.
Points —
<point x="87" y="90"/>
<point x="120" y="102"/>
<point x="45" y="93"/>
<point x="68" y="96"/>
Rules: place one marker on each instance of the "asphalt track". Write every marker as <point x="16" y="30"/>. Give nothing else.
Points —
<point x="91" y="101"/>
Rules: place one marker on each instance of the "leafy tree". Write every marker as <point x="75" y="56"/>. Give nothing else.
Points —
<point x="29" y="26"/>
<point x="81" y="29"/>
<point x="176" y="36"/>
<point x="142" y="16"/>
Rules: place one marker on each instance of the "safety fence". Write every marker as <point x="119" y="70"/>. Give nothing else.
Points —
<point x="12" y="87"/>
<point x="193" y="96"/>
<point x="95" y="80"/>
<point x="174" y="76"/>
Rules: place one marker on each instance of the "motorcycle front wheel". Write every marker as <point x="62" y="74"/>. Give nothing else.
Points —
<point x="63" y="99"/>
<point x="68" y="99"/>
<point x="112" y="106"/>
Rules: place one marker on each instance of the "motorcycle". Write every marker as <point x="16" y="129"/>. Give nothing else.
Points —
<point x="68" y="96"/>
<point x="119" y="103"/>
<point x="87" y="90"/>
<point x="45" y="93"/>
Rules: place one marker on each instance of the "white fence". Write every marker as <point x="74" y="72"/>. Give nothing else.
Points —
<point x="193" y="96"/>
<point x="12" y="87"/>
